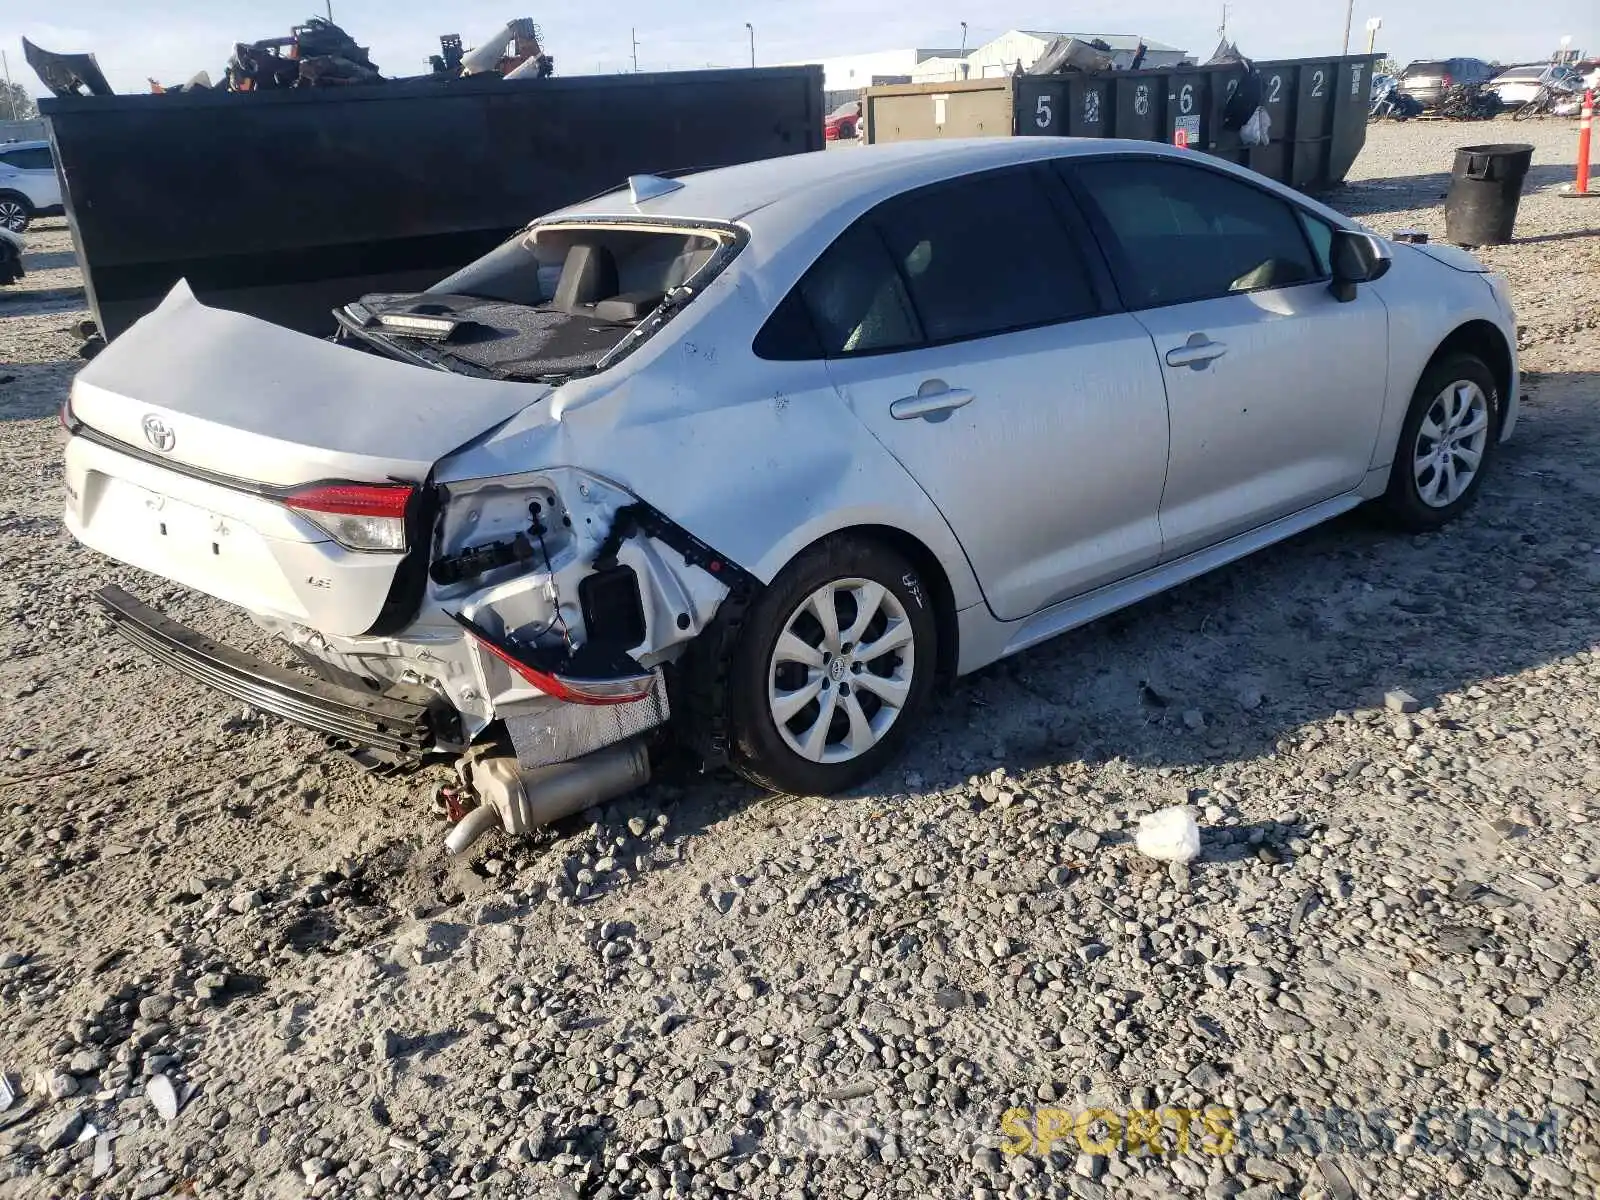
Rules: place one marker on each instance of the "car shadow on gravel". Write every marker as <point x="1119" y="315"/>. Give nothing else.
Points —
<point x="36" y="302"/>
<point x="1224" y="668"/>
<point x="48" y="260"/>
<point x="1405" y="193"/>
<point x="29" y="391"/>
<point x="1227" y="667"/>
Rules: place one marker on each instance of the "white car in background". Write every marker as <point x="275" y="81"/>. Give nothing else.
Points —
<point x="29" y="186"/>
<point x="772" y="451"/>
<point x="1521" y="84"/>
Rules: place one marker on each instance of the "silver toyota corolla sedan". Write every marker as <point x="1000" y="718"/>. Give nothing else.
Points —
<point x="756" y="458"/>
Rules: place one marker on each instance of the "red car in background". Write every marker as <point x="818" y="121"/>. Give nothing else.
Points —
<point x="843" y="123"/>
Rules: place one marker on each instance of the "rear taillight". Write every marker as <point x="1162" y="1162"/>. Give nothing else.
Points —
<point x="618" y="689"/>
<point x="1445" y="80"/>
<point x="359" y="516"/>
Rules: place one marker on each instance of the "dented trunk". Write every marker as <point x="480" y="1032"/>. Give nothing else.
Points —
<point x="281" y="473"/>
<point x="360" y="508"/>
<point x="236" y="396"/>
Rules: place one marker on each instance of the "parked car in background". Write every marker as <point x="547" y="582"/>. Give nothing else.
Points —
<point x="1428" y="79"/>
<point x="10" y="257"/>
<point x="792" y="442"/>
<point x="843" y="123"/>
<point x="29" y="187"/>
<point x="1520" y="85"/>
<point x="1390" y="103"/>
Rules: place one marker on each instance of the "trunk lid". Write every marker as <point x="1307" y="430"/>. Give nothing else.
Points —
<point x="239" y="397"/>
<point x="197" y="424"/>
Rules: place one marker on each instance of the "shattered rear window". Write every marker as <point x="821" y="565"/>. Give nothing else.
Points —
<point x="550" y="303"/>
<point x="527" y="268"/>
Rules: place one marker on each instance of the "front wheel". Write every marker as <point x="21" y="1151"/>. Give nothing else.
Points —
<point x="1446" y="444"/>
<point x="833" y="666"/>
<point x="16" y="214"/>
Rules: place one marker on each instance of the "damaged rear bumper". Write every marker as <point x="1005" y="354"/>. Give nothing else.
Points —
<point x="398" y="727"/>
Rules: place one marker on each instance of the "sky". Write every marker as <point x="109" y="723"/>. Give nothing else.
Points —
<point x="172" y="39"/>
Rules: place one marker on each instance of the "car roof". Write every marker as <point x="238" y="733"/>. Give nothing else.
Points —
<point x="733" y="193"/>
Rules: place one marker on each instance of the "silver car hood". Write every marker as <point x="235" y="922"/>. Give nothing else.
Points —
<point x="235" y="395"/>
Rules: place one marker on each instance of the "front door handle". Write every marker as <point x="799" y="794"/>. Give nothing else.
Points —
<point x="1196" y="353"/>
<point x="932" y="397"/>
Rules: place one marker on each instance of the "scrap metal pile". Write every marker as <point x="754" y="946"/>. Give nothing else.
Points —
<point x="513" y="53"/>
<point x="1067" y="54"/>
<point x="315" y="54"/>
<point x="1468" y="102"/>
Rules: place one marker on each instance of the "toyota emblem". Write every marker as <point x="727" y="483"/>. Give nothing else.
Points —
<point x="158" y="433"/>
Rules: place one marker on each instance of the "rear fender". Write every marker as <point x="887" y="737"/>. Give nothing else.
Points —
<point x="512" y="554"/>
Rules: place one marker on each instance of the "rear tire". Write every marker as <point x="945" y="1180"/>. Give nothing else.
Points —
<point x="818" y="705"/>
<point x="1446" y="445"/>
<point x="16" y="212"/>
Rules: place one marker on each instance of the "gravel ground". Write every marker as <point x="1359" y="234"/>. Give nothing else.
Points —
<point x="232" y="964"/>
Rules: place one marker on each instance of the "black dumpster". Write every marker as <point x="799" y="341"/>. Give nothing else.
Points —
<point x="285" y="204"/>
<point x="1318" y="108"/>
<point x="1485" y="190"/>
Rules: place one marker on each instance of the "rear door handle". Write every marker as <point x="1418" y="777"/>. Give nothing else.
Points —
<point x="927" y="401"/>
<point x="1196" y="353"/>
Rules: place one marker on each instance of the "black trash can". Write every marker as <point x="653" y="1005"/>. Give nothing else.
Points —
<point x="1485" y="188"/>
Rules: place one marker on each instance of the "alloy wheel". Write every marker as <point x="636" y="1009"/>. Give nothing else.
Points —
<point x="13" y="216"/>
<point x="841" y="671"/>
<point x="1450" y="443"/>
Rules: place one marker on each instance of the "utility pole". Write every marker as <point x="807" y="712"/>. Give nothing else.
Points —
<point x="752" y="30"/>
<point x="11" y="94"/>
<point x="1349" y="12"/>
<point x="330" y="11"/>
<point x="633" y="34"/>
<point x="1222" y="30"/>
<point x="1373" y="25"/>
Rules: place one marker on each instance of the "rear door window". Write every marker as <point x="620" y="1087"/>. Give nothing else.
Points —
<point x="986" y="254"/>
<point x="35" y="158"/>
<point x="971" y="257"/>
<point x="1182" y="233"/>
<point x="857" y="299"/>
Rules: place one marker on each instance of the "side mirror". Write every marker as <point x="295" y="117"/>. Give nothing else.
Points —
<point x="1357" y="258"/>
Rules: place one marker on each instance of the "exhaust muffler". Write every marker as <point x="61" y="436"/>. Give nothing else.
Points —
<point x="519" y="801"/>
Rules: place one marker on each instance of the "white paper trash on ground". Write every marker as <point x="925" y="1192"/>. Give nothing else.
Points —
<point x="1170" y="835"/>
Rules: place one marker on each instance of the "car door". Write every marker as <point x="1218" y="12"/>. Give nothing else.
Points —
<point x="1275" y="388"/>
<point x="33" y="173"/>
<point x="963" y="327"/>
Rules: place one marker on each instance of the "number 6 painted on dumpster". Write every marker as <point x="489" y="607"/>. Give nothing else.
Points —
<point x="1186" y="99"/>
